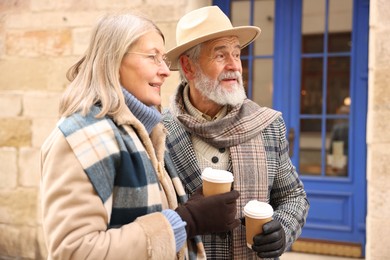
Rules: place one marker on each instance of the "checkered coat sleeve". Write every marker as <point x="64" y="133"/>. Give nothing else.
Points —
<point x="286" y="192"/>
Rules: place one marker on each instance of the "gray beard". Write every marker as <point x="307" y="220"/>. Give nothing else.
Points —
<point x="212" y="90"/>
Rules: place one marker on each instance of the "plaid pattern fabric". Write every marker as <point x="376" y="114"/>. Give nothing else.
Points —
<point x="286" y="192"/>
<point x="116" y="164"/>
<point x="260" y="163"/>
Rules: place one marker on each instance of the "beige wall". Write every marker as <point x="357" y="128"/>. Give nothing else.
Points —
<point x="40" y="39"/>
<point x="378" y="137"/>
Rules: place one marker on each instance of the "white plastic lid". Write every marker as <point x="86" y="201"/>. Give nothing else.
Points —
<point x="217" y="176"/>
<point x="258" y="209"/>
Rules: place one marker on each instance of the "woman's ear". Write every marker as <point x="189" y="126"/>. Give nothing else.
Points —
<point x="188" y="67"/>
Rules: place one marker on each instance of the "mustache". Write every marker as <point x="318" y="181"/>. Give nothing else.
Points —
<point x="229" y="75"/>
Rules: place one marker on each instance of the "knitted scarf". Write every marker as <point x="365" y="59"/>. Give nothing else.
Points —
<point x="240" y="131"/>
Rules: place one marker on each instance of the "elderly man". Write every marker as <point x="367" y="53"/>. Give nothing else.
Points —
<point x="211" y="123"/>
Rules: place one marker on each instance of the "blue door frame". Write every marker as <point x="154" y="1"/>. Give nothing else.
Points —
<point x="338" y="205"/>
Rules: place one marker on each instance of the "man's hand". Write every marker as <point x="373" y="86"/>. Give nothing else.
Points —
<point x="272" y="242"/>
<point x="213" y="214"/>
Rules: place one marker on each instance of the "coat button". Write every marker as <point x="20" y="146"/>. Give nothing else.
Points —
<point x="222" y="150"/>
<point x="215" y="159"/>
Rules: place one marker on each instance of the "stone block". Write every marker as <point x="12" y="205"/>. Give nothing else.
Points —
<point x="14" y="6"/>
<point x="382" y="49"/>
<point x="379" y="230"/>
<point x="169" y="31"/>
<point x="41" y="246"/>
<point x="29" y="163"/>
<point x="382" y="8"/>
<point x="380" y="94"/>
<point x="15" y="132"/>
<point x="2" y="47"/>
<point x="378" y="193"/>
<point x="16" y="77"/>
<point x="52" y="42"/>
<point x="19" y="206"/>
<point x="10" y="104"/>
<point x="56" y="79"/>
<point x="8" y="167"/>
<point x="41" y="105"/>
<point x="35" y="74"/>
<point x="378" y="152"/>
<point x="118" y="4"/>
<point x="55" y="19"/>
<point x="17" y="242"/>
<point x="176" y="3"/>
<point x="169" y="88"/>
<point x="39" y="209"/>
<point x="62" y="5"/>
<point x="41" y="129"/>
<point x="377" y="127"/>
<point x="156" y="12"/>
<point x="81" y="37"/>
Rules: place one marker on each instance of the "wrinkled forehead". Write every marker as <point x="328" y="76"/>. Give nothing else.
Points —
<point x="223" y="43"/>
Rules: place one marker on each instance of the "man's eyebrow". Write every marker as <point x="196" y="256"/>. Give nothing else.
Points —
<point x="218" y="48"/>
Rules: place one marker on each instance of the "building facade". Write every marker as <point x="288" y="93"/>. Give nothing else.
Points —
<point x="41" y="39"/>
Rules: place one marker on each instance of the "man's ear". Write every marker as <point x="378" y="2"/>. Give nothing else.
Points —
<point x="188" y="67"/>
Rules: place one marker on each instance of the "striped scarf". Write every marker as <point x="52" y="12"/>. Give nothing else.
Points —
<point x="116" y="163"/>
<point x="240" y="131"/>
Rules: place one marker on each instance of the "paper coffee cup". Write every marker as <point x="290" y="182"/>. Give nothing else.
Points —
<point x="216" y="181"/>
<point x="256" y="213"/>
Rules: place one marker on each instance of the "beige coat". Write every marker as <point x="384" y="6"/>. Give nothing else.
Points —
<point x="75" y="219"/>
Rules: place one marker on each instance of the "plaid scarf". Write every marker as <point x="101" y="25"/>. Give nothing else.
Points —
<point x="240" y="131"/>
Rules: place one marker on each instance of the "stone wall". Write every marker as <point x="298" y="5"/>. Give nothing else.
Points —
<point x="378" y="137"/>
<point x="39" y="41"/>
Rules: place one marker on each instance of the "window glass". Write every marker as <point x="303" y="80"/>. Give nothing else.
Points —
<point x="264" y="12"/>
<point x="258" y="81"/>
<point x="311" y="86"/>
<point x="340" y="22"/>
<point x="337" y="146"/>
<point x="310" y="147"/>
<point x="337" y="83"/>
<point x="262" y="82"/>
<point x="313" y="23"/>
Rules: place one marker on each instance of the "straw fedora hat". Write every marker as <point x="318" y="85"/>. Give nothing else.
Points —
<point x="205" y="24"/>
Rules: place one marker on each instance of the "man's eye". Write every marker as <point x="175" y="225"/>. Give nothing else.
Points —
<point x="219" y="57"/>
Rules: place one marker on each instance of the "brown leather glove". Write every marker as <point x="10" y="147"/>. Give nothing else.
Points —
<point x="211" y="214"/>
